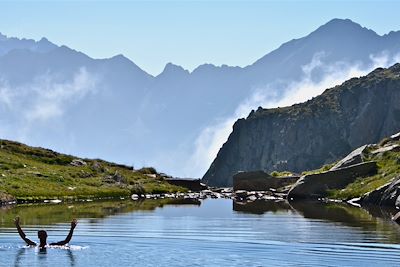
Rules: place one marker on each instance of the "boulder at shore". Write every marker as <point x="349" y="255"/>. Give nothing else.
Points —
<point x="386" y="195"/>
<point x="355" y="157"/>
<point x="260" y="181"/>
<point x="194" y="185"/>
<point x="6" y="198"/>
<point x="317" y="185"/>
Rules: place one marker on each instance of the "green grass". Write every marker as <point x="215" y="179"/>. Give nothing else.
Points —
<point x="281" y="174"/>
<point x="29" y="173"/>
<point x="388" y="169"/>
<point x="322" y="169"/>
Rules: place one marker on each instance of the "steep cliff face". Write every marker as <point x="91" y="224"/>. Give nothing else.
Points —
<point x="319" y="131"/>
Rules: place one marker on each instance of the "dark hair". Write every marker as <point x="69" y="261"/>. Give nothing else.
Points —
<point x="42" y="233"/>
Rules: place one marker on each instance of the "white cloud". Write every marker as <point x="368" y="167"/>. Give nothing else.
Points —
<point x="51" y="97"/>
<point x="214" y="136"/>
<point x="45" y="98"/>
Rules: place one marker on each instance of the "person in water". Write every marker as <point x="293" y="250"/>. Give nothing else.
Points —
<point x="42" y="235"/>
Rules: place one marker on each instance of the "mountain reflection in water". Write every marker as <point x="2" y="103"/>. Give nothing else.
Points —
<point x="203" y="233"/>
<point x="370" y="218"/>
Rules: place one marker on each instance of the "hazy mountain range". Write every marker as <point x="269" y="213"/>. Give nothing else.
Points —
<point x="56" y="97"/>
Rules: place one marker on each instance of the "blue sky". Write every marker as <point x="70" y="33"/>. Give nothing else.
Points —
<point x="187" y="33"/>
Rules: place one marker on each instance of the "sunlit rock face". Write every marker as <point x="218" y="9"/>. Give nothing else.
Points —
<point x="308" y="135"/>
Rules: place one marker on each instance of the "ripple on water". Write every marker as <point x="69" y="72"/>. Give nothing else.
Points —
<point x="214" y="234"/>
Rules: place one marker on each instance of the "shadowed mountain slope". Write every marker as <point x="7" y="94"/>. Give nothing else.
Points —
<point x="307" y="135"/>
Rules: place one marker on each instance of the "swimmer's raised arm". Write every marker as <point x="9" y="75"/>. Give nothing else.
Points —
<point x="71" y="232"/>
<point x="22" y="234"/>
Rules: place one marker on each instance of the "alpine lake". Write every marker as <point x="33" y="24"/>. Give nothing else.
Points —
<point x="210" y="232"/>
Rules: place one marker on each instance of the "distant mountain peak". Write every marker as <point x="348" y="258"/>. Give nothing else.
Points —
<point x="204" y="67"/>
<point x="342" y="26"/>
<point x="45" y="45"/>
<point x="341" y="21"/>
<point x="12" y="43"/>
<point x="336" y="22"/>
<point x="172" y="68"/>
<point x="123" y="60"/>
<point x="44" y="40"/>
<point x="336" y="36"/>
<point x="120" y="57"/>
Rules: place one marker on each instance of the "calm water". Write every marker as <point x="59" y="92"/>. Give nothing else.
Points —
<point x="208" y="233"/>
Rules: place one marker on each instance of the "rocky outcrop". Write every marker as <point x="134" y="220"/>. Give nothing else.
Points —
<point x="386" y="195"/>
<point x="317" y="185"/>
<point x="78" y="163"/>
<point x="395" y="137"/>
<point x="393" y="148"/>
<point x="354" y="157"/>
<point x="260" y="181"/>
<point x="194" y="185"/>
<point x="6" y="198"/>
<point x="308" y="135"/>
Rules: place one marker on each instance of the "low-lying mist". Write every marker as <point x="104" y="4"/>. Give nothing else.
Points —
<point x="211" y="138"/>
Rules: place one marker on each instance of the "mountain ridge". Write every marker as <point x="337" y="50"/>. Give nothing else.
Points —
<point x="327" y="28"/>
<point x="128" y="114"/>
<point x="316" y="132"/>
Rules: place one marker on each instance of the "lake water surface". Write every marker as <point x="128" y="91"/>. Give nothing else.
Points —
<point x="213" y="232"/>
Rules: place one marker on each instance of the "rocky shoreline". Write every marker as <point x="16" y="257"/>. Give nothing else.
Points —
<point x="239" y="197"/>
<point x="6" y="199"/>
<point x="377" y="164"/>
<point x="211" y="193"/>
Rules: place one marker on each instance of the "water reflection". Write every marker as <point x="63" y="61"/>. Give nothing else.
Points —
<point x="71" y="257"/>
<point x="42" y="256"/>
<point x="46" y="214"/>
<point x="206" y="233"/>
<point x="18" y="257"/>
<point x="371" y="219"/>
<point x="261" y="206"/>
<point x="21" y="257"/>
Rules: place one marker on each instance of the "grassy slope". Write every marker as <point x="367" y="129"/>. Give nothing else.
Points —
<point x="388" y="169"/>
<point x="29" y="173"/>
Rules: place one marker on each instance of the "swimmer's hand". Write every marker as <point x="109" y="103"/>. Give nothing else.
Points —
<point x="74" y="222"/>
<point x="16" y="220"/>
